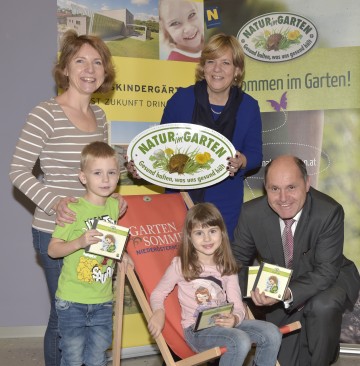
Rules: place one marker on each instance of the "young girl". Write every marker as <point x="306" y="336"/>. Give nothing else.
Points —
<point x="181" y="30"/>
<point x="206" y="261"/>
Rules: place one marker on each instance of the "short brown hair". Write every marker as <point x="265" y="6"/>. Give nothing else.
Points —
<point x="70" y="45"/>
<point x="215" y="48"/>
<point x="97" y="149"/>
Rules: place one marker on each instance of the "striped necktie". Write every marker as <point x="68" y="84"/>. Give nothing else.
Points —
<point x="288" y="242"/>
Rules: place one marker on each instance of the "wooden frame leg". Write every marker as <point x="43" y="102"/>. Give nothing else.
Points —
<point x="118" y="319"/>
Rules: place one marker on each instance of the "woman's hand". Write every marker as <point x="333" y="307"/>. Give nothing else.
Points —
<point x="235" y="163"/>
<point x="156" y="322"/>
<point x="130" y="166"/>
<point x="122" y="203"/>
<point x="63" y="213"/>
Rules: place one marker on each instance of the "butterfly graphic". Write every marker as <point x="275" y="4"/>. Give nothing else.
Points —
<point x="281" y="105"/>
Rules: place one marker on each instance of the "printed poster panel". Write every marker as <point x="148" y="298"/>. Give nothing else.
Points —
<point x="302" y="65"/>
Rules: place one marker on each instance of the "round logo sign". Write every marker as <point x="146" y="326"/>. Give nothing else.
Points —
<point x="181" y="155"/>
<point x="277" y="37"/>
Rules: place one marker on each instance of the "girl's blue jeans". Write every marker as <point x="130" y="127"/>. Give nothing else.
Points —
<point x="52" y="269"/>
<point x="238" y="341"/>
<point x="86" y="332"/>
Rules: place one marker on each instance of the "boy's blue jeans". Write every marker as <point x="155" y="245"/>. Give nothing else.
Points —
<point x="238" y="342"/>
<point x="52" y="269"/>
<point x="86" y="332"/>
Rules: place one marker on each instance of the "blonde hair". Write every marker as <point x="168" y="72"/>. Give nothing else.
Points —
<point x="70" y="45"/>
<point x="205" y="215"/>
<point x="165" y="36"/>
<point x="97" y="149"/>
<point x="215" y="48"/>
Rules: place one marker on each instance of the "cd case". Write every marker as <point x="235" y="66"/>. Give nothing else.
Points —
<point x="273" y="280"/>
<point x="207" y="317"/>
<point x="113" y="240"/>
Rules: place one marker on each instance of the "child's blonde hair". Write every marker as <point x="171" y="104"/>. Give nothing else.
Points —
<point x="205" y="215"/>
<point x="97" y="149"/>
<point x="164" y="34"/>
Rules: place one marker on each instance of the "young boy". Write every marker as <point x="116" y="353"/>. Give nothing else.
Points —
<point x="84" y="295"/>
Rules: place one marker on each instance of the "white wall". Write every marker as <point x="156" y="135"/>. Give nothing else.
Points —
<point x="27" y="52"/>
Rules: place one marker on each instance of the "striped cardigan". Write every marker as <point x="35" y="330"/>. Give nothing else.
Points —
<point x="49" y="136"/>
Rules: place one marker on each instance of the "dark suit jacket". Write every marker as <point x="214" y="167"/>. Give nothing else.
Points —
<point x="318" y="260"/>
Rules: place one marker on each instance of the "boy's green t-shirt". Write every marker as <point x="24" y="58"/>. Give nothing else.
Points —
<point x="86" y="278"/>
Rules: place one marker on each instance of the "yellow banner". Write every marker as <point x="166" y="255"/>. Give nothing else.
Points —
<point x="143" y="86"/>
<point x="313" y="81"/>
<point x="320" y="79"/>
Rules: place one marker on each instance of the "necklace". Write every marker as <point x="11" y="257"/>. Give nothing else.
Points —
<point x="215" y="111"/>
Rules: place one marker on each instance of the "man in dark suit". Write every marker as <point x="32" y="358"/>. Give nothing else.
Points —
<point x="324" y="283"/>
